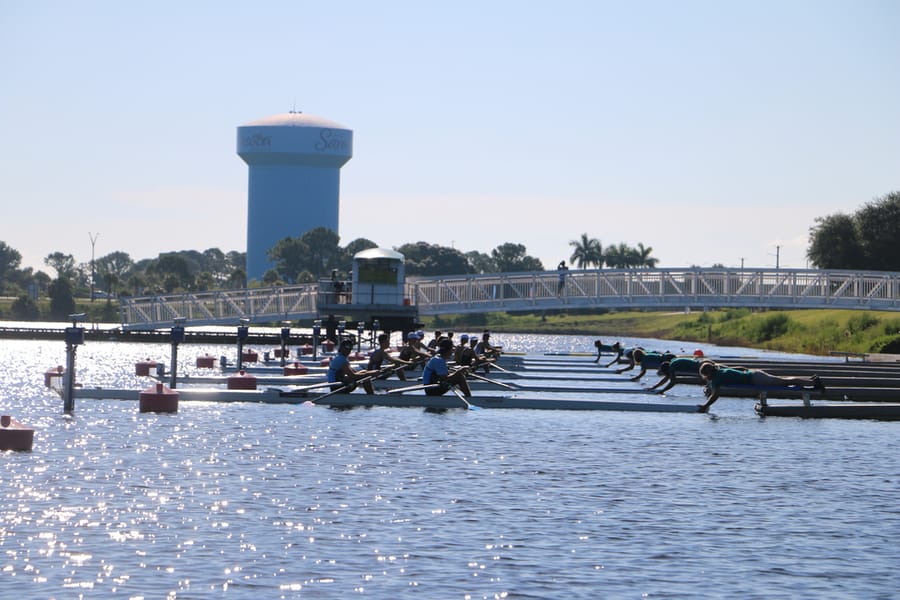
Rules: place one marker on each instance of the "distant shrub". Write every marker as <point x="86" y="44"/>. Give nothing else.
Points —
<point x="770" y="327"/>
<point x="24" y="309"/>
<point x="858" y="323"/>
<point x="705" y="319"/>
<point x="886" y="344"/>
<point x="733" y="314"/>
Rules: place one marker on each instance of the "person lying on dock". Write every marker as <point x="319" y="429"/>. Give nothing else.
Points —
<point x="620" y="356"/>
<point x="603" y="348"/>
<point x="438" y="372"/>
<point x="627" y="358"/>
<point x="380" y="355"/>
<point x="717" y="375"/>
<point x="647" y="360"/>
<point x="671" y="370"/>
<point x="341" y="374"/>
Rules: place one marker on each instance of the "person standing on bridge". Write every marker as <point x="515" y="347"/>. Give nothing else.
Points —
<point x="562" y="270"/>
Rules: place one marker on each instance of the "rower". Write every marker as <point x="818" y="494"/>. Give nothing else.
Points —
<point x="438" y="372"/>
<point x="381" y="354"/>
<point x="686" y="367"/>
<point x="716" y="376"/>
<point x="616" y="349"/>
<point x="647" y="360"/>
<point x="341" y="374"/>
<point x="486" y="348"/>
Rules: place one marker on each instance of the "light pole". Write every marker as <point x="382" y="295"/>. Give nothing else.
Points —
<point x="93" y="237"/>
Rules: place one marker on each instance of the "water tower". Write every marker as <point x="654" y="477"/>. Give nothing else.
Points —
<point x="294" y="182"/>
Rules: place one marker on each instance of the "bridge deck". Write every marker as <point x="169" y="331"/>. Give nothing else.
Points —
<point x="659" y="289"/>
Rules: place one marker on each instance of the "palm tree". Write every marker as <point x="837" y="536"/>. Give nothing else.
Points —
<point x="644" y="258"/>
<point x="617" y="256"/>
<point x="587" y="251"/>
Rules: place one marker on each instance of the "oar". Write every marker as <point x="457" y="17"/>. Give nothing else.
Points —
<point x="352" y="385"/>
<point x="495" y="382"/>
<point x="301" y="390"/>
<point x="494" y="365"/>
<point x="346" y="388"/>
<point x="413" y="388"/>
<point x="460" y="395"/>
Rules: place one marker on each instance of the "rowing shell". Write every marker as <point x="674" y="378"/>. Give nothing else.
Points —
<point x="412" y="400"/>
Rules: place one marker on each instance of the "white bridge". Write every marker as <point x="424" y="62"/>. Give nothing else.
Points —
<point x="620" y="289"/>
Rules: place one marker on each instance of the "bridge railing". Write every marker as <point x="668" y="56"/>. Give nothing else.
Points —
<point x="659" y="288"/>
<point x="664" y="289"/>
<point x="216" y="308"/>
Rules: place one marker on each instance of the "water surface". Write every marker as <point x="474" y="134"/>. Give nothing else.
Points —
<point x="305" y="502"/>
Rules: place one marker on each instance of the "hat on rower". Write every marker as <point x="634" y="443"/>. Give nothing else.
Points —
<point x="464" y="337"/>
<point x="420" y="333"/>
<point x="412" y="335"/>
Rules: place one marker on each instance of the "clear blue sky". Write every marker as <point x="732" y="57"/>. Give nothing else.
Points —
<point x="712" y="131"/>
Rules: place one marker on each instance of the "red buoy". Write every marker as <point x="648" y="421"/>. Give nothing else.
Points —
<point x="328" y="345"/>
<point x="325" y="362"/>
<point x="158" y="399"/>
<point x="306" y="349"/>
<point x="15" y="435"/>
<point x="142" y="368"/>
<point x="207" y="361"/>
<point x="295" y="369"/>
<point x="242" y="381"/>
<point x="249" y="356"/>
<point x="698" y="353"/>
<point x="54" y="377"/>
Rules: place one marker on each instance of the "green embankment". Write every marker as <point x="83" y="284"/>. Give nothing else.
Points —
<point x="806" y="331"/>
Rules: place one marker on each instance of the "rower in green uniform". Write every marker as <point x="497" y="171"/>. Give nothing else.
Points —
<point x="671" y="370"/>
<point x="717" y="376"/>
<point x="602" y="348"/>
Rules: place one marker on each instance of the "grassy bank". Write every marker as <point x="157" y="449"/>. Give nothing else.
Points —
<point x="806" y="331"/>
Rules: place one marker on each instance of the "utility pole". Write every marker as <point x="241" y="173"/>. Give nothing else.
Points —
<point x="742" y="263"/>
<point x="93" y="237"/>
<point x="777" y="257"/>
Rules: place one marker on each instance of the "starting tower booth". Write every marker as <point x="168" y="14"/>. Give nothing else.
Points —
<point x="376" y="293"/>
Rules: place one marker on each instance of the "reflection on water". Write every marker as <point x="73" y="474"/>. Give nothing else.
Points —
<point x="297" y="501"/>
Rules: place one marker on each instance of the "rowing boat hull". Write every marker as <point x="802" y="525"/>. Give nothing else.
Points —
<point x="849" y="410"/>
<point x="412" y="400"/>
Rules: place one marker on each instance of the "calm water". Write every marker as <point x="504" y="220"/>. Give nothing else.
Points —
<point x="262" y="501"/>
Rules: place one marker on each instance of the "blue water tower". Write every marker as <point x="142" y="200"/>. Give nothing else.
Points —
<point x="294" y="181"/>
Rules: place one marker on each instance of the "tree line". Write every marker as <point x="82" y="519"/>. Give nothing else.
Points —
<point x="867" y="239"/>
<point x="304" y="259"/>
